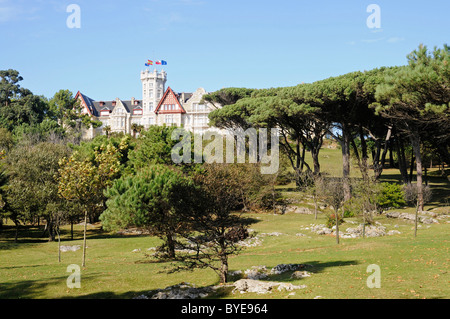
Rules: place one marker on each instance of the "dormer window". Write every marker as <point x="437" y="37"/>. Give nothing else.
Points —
<point x="104" y="112"/>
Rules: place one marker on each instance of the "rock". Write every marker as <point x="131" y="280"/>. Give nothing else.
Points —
<point x="250" y="242"/>
<point x="136" y="250"/>
<point x="320" y="229"/>
<point x="302" y="210"/>
<point x="262" y="287"/>
<point x="181" y="291"/>
<point x="256" y="272"/>
<point x="300" y="235"/>
<point x="282" y="268"/>
<point x="412" y="217"/>
<point x="300" y="274"/>
<point x="272" y="234"/>
<point x="393" y="232"/>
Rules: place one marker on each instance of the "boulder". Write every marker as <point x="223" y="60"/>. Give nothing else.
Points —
<point x="282" y="268"/>
<point x="256" y="272"/>
<point x="300" y="274"/>
<point x="262" y="287"/>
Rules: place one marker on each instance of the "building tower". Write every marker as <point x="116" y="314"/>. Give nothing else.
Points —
<point x="153" y="88"/>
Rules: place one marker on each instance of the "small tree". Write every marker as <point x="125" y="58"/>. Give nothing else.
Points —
<point x="83" y="182"/>
<point x="411" y="196"/>
<point x="333" y="195"/>
<point x="107" y="130"/>
<point x="216" y="228"/>
<point x="152" y="199"/>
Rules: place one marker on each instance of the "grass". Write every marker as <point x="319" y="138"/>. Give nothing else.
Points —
<point x="410" y="267"/>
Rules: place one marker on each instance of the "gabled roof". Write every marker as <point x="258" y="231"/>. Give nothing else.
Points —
<point x="87" y="101"/>
<point x="170" y="92"/>
<point x="94" y="107"/>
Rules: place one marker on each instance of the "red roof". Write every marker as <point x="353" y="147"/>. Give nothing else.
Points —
<point x="171" y="97"/>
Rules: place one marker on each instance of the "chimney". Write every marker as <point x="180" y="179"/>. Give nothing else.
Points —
<point x="102" y="103"/>
<point x="113" y="103"/>
<point x="132" y="101"/>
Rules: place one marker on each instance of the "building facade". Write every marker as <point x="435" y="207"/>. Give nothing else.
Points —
<point x="158" y="106"/>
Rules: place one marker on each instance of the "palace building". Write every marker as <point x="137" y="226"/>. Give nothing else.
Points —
<point x="159" y="105"/>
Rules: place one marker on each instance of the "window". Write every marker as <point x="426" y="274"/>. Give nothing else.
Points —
<point x="104" y="113"/>
<point x="169" y="119"/>
<point x="151" y="120"/>
<point x="199" y="107"/>
<point x="200" y="120"/>
<point x="150" y="106"/>
<point x="150" y="93"/>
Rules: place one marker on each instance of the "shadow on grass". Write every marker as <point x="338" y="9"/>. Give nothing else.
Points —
<point x="30" y="289"/>
<point x="33" y="289"/>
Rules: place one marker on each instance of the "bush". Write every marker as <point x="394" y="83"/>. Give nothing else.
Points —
<point x="391" y="195"/>
<point x="331" y="220"/>
<point x="410" y="193"/>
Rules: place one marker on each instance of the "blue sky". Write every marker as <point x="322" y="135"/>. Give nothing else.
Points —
<point x="208" y="43"/>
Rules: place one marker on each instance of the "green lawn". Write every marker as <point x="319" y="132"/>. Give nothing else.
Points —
<point x="410" y="267"/>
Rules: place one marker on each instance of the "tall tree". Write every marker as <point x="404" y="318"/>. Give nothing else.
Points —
<point x="32" y="183"/>
<point x="417" y="99"/>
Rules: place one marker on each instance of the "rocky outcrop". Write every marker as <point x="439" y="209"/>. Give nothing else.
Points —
<point x="263" y="287"/>
<point x="411" y="217"/>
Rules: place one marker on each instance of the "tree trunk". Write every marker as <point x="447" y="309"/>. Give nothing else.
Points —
<point x="71" y="229"/>
<point x="345" y="145"/>
<point x="364" y="155"/>
<point x="337" y="225"/>
<point x="315" y="159"/>
<point x="223" y="269"/>
<point x="380" y="165"/>
<point x="364" y="224"/>
<point x="411" y="168"/>
<point x="315" y="206"/>
<point x="415" y="141"/>
<point x="51" y="230"/>
<point x="170" y="245"/>
<point x="401" y="160"/>
<point x="59" y="244"/>
<point x="83" y="262"/>
<point x="17" y="231"/>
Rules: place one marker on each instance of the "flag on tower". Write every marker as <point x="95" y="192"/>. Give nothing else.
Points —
<point x="158" y="62"/>
<point x="163" y="62"/>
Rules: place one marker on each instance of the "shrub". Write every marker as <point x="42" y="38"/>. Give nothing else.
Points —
<point x="391" y="195"/>
<point x="331" y="220"/>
